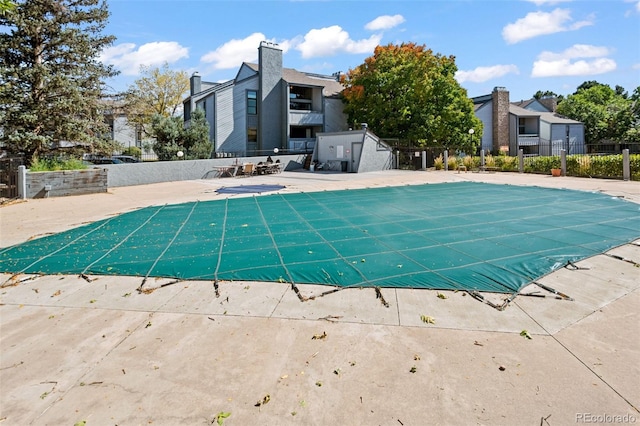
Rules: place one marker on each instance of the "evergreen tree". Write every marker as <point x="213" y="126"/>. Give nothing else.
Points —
<point x="51" y="78"/>
<point x="171" y="136"/>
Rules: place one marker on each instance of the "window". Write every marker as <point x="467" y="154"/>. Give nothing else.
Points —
<point x="252" y="102"/>
<point x="202" y="106"/>
<point x="521" y="126"/>
<point x="252" y="134"/>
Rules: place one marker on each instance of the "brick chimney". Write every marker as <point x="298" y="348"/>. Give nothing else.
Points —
<point x="500" y="104"/>
<point x="549" y="102"/>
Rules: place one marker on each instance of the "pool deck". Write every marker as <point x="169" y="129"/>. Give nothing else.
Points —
<point x="99" y="351"/>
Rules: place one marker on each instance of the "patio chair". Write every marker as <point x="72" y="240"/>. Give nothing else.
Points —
<point x="248" y="169"/>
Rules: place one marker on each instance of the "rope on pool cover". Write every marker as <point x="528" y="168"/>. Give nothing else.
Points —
<point x="224" y="229"/>
<point x="184" y="222"/>
<point x="364" y="279"/>
<point x="12" y="277"/>
<point x="121" y="242"/>
<point x="273" y="240"/>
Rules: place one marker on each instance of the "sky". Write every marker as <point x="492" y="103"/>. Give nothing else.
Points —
<point x="522" y="45"/>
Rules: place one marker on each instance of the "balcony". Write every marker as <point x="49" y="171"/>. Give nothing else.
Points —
<point x="305" y="118"/>
<point x="302" y="144"/>
<point x="528" y="140"/>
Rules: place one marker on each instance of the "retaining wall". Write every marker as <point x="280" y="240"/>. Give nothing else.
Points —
<point x="66" y="182"/>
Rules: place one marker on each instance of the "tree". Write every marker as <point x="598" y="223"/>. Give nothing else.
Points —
<point x="171" y="137"/>
<point x="410" y="93"/>
<point x="607" y="114"/>
<point x="196" y="140"/>
<point x="548" y="94"/>
<point x="51" y="75"/>
<point x="6" y="6"/>
<point x="159" y="91"/>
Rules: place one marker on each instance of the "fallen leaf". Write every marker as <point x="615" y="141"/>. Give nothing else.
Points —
<point x="413" y="369"/>
<point x="57" y="293"/>
<point x="525" y="334"/>
<point x="442" y="296"/>
<point x="427" y="319"/>
<point x="319" y="336"/>
<point x="80" y="423"/>
<point x="220" y="417"/>
<point x="264" y="400"/>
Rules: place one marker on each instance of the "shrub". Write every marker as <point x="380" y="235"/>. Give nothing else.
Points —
<point x="452" y="163"/>
<point x="132" y="151"/>
<point x="506" y="163"/>
<point x="471" y="162"/>
<point x="438" y="162"/>
<point x="55" y="164"/>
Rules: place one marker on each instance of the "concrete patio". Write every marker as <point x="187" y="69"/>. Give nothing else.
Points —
<point x="101" y="352"/>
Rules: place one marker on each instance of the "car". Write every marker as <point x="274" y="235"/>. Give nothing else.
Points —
<point x="103" y="160"/>
<point x="125" y="158"/>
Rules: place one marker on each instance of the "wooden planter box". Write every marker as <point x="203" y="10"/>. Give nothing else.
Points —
<point x="65" y="182"/>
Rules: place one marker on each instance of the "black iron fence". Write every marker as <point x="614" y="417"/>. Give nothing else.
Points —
<point x="9" y="176"/>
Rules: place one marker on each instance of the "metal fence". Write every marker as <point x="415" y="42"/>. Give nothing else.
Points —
<point x="9" y="176"/>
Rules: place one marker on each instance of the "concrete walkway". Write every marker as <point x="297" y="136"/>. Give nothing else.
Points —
<point x="99" y="351"/>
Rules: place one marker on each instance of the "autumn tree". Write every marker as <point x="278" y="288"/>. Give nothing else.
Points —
<point x="408" y="92"/>
<point x="608" y="114"/>
<point x="159" y="91"/>
<point x="171" y="137"/>
<point x="51" y="76"/>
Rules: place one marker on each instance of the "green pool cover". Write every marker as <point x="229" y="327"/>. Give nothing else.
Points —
<point x="464" y="236"/>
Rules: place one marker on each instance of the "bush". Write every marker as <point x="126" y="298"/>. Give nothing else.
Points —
<point x="541" y="164"/>
<point x="507" y="164"/>
<point x="55" y="164"/>
<point x="452" y="163"/>
<point x="438" y="162"/>
<point x="132" y="151"/>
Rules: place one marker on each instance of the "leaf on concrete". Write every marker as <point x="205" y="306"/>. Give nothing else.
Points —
<point x="442" y="296"/>
<point x="427" y="319"/>
<point x="220" y="417"/>
<point x="263" y="401"/>
<point x="319" y="336"/>
<point x="525" y="334"/>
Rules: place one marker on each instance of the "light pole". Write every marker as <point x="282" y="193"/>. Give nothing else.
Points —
<point x="471" y="132"/>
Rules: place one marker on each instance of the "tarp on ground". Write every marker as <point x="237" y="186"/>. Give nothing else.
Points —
<point x="459" y="236"/>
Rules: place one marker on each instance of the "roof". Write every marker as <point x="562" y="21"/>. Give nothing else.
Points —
<point x="292" y="76"/>
<point x="523" y="104"/>
<point x="521" y="112"/>
<point x="555" y="118"/>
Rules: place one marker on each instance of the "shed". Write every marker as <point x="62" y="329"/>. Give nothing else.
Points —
<point x="354" y="151"/>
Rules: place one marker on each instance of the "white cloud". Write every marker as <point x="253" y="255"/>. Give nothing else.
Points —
<point x="128" y="59"/>
<point x="576" y="51"/>
<point x="550" y="64"/>
<point x="332" y="40"/>
<point x="541" y="23"/>
<point x="549" y="2"/>
<point x="482" y="74"/>
<point x="234" y="52"/>
<point x="384" y="22"/>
